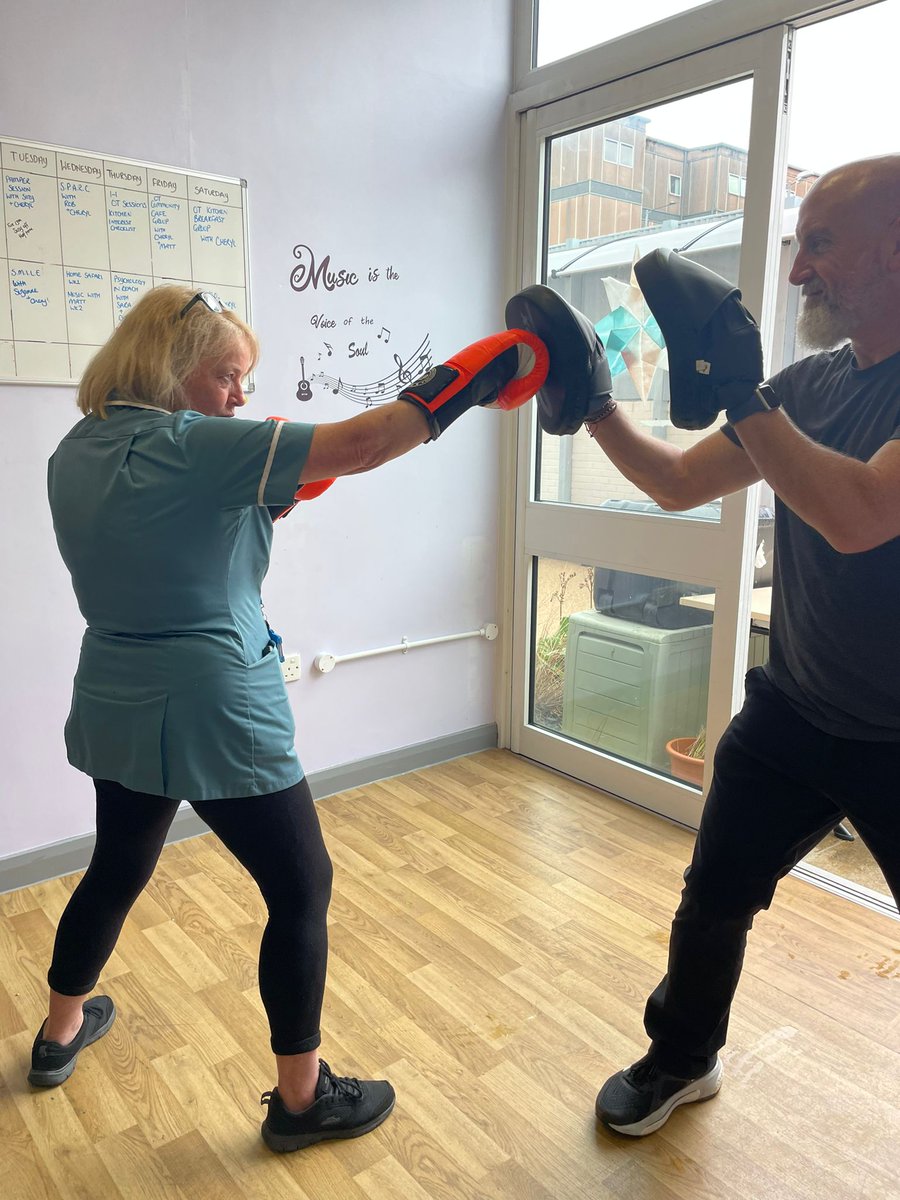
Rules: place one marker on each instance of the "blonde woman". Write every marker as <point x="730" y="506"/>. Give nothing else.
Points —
<point x="163" y="511"/>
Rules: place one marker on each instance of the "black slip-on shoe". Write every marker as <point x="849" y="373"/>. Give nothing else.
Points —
<point x="51" y="1063"/>
<point x="640" y="1099"/>
<point x="343" y="1108"/>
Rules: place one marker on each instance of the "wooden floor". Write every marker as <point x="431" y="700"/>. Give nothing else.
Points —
<point x="494" y="931"/>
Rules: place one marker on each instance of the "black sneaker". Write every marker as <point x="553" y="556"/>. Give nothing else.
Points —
<point x="52" y="1063"/>
<point x="343" y="1108"/>
<point x="639" y="1100"/>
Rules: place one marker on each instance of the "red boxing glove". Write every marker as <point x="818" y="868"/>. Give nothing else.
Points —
<point x="501" y="371"/>
<point x="306" y="491"/>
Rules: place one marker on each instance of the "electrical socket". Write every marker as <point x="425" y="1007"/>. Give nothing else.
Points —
<point x="290" y="668"/>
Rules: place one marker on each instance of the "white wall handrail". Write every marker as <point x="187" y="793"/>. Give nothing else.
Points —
<point x="327" y="662"/>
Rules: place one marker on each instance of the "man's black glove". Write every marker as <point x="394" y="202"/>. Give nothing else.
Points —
<point x="578" y="383"/>
<point x="715" y="350"/>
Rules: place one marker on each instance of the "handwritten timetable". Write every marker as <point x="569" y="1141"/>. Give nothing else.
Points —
<point x="83" y="236"/>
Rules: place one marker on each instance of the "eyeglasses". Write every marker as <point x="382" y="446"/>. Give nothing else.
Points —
<point x="210" y="299"/>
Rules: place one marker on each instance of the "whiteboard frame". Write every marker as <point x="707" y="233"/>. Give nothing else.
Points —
<point x="7" y="380"/>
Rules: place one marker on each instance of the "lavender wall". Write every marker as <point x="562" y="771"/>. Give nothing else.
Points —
<point x="373" y="134"/>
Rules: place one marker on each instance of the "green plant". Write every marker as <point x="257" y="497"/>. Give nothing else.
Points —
<point x="549" y="670"/>
<point x="697" y="748"/>
<point x="550" y="647"/>
<point x="550" y="657"/>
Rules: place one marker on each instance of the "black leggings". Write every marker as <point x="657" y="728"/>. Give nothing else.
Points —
<point x="276" y="837"/>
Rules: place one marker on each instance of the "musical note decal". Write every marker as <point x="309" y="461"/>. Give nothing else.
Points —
<point x="386" y="334"/>
<point x="386" y="388"/>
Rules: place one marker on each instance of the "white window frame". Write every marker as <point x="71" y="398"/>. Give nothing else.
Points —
<point x="709" y="25"/>
<point x="665" y="42"/>
<point x="721" y="556"/>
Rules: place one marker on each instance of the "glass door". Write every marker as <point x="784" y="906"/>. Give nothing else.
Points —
<point x="633" y="626"/>
<point x="823" y="134"/>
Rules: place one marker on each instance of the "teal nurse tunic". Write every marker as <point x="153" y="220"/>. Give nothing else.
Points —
<point x="162" y="521"/>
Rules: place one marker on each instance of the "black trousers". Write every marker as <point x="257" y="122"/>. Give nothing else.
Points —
<point x="275" y="836"/>
<point x="779" y="785"/>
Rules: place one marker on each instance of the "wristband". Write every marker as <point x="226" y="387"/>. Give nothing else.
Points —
<point x="606" y="410"/>
<point x="763" y="399"/>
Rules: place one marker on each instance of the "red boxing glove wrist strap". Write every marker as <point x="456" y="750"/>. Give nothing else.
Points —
<point x="501" y="371"/>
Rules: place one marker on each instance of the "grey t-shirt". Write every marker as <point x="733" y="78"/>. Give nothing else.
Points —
<point x="834" y="650"/>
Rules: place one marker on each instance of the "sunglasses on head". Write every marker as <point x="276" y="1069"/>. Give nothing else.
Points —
<point x="210" y="299"/>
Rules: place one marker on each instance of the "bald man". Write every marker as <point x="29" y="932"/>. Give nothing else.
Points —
<point x="818" y="737"/>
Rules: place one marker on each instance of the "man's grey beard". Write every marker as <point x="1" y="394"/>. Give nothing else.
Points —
<point x="821" y="326"/>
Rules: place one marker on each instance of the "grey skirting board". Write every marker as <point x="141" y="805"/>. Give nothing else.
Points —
<point x="73" y="854"/>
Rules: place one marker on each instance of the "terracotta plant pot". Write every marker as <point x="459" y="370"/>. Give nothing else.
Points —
<point x="683" y="767"/>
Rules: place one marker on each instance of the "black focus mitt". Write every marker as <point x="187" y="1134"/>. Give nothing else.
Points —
<point x="715" y="350"/>
<point x="578" y="382"/>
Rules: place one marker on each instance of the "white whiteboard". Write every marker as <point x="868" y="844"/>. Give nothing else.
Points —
<point x="83" y="236"/>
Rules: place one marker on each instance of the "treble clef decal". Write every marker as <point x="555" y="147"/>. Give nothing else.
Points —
<point x="404" y="375"/>
<point x="304" y="390"/>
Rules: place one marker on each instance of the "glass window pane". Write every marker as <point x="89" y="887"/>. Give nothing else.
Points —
<point x="567" y="26"/>
<point x="611" y="201"/>
<point x="820" y="137"/>
<point x="620" y="662"/>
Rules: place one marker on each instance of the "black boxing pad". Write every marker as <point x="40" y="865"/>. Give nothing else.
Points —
<point x="715" y="350"/>
<point x="578" y="381"/>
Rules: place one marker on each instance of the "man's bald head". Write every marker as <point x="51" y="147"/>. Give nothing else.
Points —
<point x="870" y="186"/>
